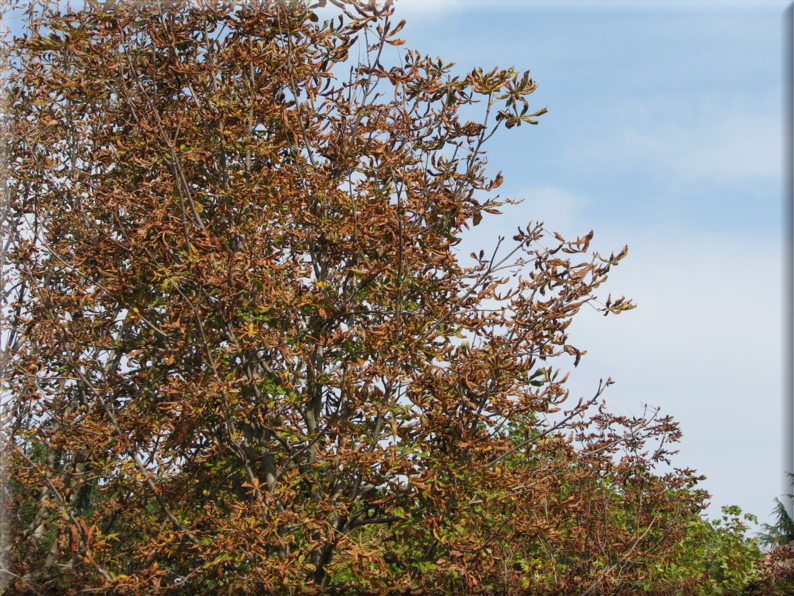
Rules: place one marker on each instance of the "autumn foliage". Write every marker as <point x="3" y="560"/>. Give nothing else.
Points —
<point x="242" y="352"/>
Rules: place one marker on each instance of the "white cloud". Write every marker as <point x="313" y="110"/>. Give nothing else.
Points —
<point x="557" y="207"/>
<point x="705" y="345"/>
<point x="406" y="9"/>
<point x="577" y="6"/>
<point x="710" y="140"/>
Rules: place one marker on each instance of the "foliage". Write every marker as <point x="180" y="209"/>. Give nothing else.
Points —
<point x="777" y="567"/>
<point x="243" y="354"/>
<point x="775" y="573"/>
<point x="779" y="533"/>
<point x="715" y="557"/>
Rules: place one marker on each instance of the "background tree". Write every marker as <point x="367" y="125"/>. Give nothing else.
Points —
<point x="242" y="352"/>
<point x="782" y="531"/>
<point x="777" y="567"/>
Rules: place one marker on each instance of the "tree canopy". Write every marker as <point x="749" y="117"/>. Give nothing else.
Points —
<point x="243" y="354"/>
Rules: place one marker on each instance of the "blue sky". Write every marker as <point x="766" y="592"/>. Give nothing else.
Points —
<point x="664" y="132"/>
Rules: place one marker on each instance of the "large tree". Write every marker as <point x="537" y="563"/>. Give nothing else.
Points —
<point x="241" y="351"/>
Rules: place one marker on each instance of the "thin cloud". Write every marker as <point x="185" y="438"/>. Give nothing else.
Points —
<point x="708" y="141"/>
<point x="703" y="344"/>
<point x="558" y="208"/>
<point x="430" y="8"/>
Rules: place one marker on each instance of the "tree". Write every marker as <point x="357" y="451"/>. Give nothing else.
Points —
<point x="782" y="531"/>
<point x="777" y="571"/>
<point x="242" y="353"/>
<point x="715" y="557"/>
